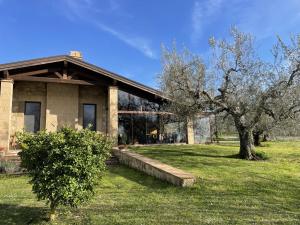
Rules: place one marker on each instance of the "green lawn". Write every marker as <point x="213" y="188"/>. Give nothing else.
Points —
<point x="228" y="191"/>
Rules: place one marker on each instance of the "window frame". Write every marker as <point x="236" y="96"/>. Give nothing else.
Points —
<point x="39" y="118"/>
<point x="94" y="128"/>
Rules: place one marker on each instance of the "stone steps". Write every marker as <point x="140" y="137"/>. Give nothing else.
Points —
<point x="11" y="156"/>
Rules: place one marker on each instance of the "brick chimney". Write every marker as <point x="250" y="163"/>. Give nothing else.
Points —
<point x="76" y="54"/>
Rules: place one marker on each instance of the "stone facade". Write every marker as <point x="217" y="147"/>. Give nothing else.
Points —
<point x="6" y="90"/>
<point x="58" y="87"/>
<point x="113" y="112"/>
<point x="98" y="96"/>
<point x="190" y="132"/>
<point x="61" y="105"/>
<point x="28" y="91"/>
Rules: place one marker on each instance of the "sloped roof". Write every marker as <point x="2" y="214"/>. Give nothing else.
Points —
<point x="83" y="64"/>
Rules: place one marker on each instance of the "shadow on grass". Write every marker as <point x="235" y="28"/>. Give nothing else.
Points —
<point x="168" y="152"/>
<point x="17" y="214"/>
<point x="139" y="177"/>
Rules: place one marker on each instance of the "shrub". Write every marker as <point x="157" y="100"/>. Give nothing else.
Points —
<point x="9" y="167"/>
<point x="64" y="166"/>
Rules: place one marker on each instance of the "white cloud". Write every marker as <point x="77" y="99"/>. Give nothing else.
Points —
<point x="85" y="10"/>
<point x="202" y="15"/>
<point x="138" y="43"/>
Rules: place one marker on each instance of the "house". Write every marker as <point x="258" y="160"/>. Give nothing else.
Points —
<point x="48" y="93"/>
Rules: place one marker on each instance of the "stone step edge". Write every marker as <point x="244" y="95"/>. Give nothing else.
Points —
<point x="181" y="177"/>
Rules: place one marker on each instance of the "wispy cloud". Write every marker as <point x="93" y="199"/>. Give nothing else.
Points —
<point x="203" y="13"/>
<point x="85" y="10"/>
<point x="138" y="43"/>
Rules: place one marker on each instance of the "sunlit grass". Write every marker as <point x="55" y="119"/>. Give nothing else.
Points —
<point x="228" y="191"/>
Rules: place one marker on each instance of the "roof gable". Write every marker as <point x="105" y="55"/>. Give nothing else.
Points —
<point x="65" y="58"/>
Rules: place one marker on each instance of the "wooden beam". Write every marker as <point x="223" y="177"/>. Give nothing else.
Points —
<point x="65" y="71"/>
<point x="31" y="73"/>
<point x="92" y="77"/>
<point x="89" y="76"/>
<point x="58" y="75"/>
<point x="71" y="75"/>
<point x="56" y="80"/>
<point x="144" y="112"/>
<point x="6" y="74"/>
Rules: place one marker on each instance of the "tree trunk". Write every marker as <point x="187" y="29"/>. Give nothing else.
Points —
<point x="265" y="137"/>
<point x="256" y="138"/>
<point x="246" y="144"/>
<point x="52" y="215"/>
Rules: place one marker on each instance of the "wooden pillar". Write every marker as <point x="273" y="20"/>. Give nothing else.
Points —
<point x="6" y="96"/>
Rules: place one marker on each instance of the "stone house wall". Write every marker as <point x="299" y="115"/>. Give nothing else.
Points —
<point x="61" y="104"/>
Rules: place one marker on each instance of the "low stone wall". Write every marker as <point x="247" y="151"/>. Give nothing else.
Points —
<point x="154" y="168"/>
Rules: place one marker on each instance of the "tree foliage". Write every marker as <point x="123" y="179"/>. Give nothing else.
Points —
<point x="237" y="82"/>
<point x="64" y="166"/>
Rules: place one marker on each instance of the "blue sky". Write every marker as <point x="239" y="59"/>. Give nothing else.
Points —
<point x="125" y="36"/>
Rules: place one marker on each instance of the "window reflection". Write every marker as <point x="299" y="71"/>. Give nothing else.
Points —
<point x="129" y="102"/>
<point x="89" y="116"/>
<point x="142" y="122"/>
<point x="150" y="129"/>
<point x="32" y="116"/>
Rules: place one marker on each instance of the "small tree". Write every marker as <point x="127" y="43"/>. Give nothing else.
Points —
<point x="64" y="166"/>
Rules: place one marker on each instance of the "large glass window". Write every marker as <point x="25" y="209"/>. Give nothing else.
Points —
<point x="202" y="132"/>
<point x="143" y="122"/>
<point x="172" y="130"/>
<point x="129" y="102"/>
<point x="32" y="116"/>
<point x="89" y="116"/>
<point x="150" y="129"/>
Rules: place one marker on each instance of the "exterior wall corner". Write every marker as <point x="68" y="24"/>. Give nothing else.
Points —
<point x="6" y="96"/>
<point x="113" y="112"/>
<point x="190" y="132"/>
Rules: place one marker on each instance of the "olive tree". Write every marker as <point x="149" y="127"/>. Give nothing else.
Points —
<point x="237" y="82"/>
<point x="64" y="166"/>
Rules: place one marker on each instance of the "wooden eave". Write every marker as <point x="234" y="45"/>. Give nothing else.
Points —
<point x="114" y="79"/>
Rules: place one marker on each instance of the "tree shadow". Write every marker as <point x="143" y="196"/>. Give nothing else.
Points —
<point x="139" y="177"/>
<point x="18" y="214"/>
<point x="168" y="152"/>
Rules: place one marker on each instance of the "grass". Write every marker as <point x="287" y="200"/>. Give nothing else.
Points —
<point x="228" y="191"/>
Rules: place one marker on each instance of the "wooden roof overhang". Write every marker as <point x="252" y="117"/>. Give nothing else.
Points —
<point x="69" y="70"/>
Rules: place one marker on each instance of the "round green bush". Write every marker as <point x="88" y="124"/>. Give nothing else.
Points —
<point x="64" y="166"/>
